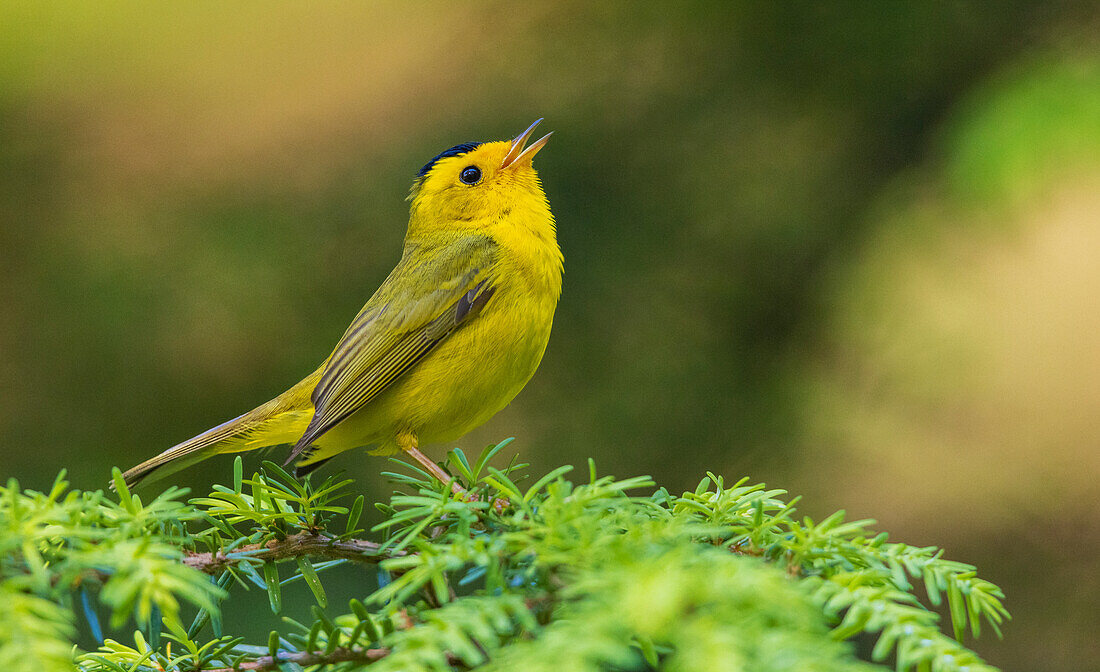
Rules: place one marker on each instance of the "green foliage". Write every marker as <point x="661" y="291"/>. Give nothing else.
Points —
<point x="34" y="632"/>
<point x="55" y="545"/>
<point x="550" y="575"/>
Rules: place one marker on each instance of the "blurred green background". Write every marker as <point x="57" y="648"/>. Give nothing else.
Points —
<point x="852" y="250"/>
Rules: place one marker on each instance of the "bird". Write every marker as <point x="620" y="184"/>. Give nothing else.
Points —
<point x="450" y="337"/>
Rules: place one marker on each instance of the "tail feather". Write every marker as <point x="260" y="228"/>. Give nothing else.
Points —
<point x="280" y="421"/>
<point x="183" y="455"/>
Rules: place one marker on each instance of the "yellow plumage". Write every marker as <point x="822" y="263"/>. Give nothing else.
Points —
<point x="450" y="337"/>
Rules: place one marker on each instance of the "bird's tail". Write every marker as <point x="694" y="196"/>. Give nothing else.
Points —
<point x="280" y="421"/>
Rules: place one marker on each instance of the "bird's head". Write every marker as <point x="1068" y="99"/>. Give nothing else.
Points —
<point x="477" y="185"/>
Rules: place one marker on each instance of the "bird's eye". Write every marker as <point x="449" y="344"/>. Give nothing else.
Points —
<point x="470" y="175"/>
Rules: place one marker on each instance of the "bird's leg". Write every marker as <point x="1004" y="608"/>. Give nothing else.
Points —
<point x="407" y="443"/>
<point x="435" y="470"/>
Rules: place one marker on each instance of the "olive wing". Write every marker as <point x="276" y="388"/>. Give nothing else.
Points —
<point x="428" y="295"/>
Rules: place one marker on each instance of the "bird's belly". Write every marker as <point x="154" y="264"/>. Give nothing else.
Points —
<point x="465" y="380"/>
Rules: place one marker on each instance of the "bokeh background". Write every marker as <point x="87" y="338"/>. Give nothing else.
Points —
<point x="852" y="250"/>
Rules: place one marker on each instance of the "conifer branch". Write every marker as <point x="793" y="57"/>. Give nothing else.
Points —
<point x="307" y="659"/>
<point x="297" y="545"/>
<point x="565" y="579"/>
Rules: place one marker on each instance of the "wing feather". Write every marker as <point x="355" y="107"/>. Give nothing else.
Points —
<point x="414" y="310"/>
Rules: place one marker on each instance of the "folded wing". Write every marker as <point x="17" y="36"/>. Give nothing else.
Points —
<point x="415" y="309"/>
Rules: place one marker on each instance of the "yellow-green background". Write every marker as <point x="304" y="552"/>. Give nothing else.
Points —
<point x="851" y="250"/>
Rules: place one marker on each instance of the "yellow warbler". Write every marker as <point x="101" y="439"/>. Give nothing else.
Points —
<point x="449" y="339"/>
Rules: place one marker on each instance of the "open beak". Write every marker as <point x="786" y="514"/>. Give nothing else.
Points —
<point x="517" y="153"/>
